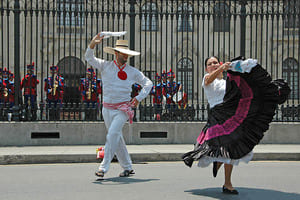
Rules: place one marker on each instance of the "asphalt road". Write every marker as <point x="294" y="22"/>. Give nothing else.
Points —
<point x="154" y="180"/>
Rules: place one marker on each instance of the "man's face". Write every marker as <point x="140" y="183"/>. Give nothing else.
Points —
<point x="121" y="57"/>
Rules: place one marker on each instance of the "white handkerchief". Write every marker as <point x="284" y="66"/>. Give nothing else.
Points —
<point x="108" y="34"/>
<point x="243" y="66"/>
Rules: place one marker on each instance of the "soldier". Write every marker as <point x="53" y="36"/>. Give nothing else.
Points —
<point x="3" y="90"/>
<point x="5" y="80"/>
<point x="9" y="98"/>
<point x="2" y="93"/>
<point x="164" y="77"/>
<point x="53" y="88"/>
<point x="136" y="88"/>
<point x="90" y="89"/>
<point x="29" y="83"/>
<point x="11" y="89"/>
<point x="169" y="90"/>
<point x="157" y="94"/>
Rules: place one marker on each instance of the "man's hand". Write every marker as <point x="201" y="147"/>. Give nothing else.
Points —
<point x="96" y="40"/>
<point x="134" y="102"/>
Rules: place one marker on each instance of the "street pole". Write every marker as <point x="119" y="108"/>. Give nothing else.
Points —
<point x="132" y="29"/>
<point x="16" y="108"/>
<point x="243" y="27"/>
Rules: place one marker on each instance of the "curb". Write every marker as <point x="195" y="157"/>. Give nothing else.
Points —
<point x="136" y="158"/>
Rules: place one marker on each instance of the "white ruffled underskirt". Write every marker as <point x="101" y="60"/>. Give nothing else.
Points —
<point x="206" y="160"/>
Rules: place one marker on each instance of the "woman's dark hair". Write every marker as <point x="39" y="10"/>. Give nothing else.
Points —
<point x="205" y="62"/>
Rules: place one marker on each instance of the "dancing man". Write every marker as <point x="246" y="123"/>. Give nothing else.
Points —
<point x="117" y="79"/>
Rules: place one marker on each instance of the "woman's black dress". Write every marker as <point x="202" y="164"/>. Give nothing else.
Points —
<point x="236" y="125"/>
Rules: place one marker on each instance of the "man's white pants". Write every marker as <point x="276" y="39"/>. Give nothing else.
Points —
<point x="114" y="121"/>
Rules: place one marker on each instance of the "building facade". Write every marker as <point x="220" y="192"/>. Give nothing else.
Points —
<point x="171" y="35"/>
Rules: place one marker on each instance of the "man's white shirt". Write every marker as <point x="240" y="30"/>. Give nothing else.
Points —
<point x="114" y="89"/>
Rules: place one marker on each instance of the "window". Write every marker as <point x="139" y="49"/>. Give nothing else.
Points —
<point x="70" y="13"/>
<point x="291" y="11"/>
<point x="221" y="18"/>
<point x="185" y="75"/>
<point x="291" y="75"/>
<point x="185" y="20"/>
<point x="149" y="17"/>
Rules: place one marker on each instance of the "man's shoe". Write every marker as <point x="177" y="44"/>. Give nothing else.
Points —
<point x="127" y="173"/>
<point x="99" y="173"/>
<point x="227" y="191"/>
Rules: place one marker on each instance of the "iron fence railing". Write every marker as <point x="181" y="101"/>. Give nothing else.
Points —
<point x="174" y="35"/>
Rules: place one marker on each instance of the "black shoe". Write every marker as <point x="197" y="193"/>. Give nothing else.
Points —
<point x="99" y="173"/>
<point x="227" y="191"/>
<point x="127" y="173"/>
<point x="215" y="169"/>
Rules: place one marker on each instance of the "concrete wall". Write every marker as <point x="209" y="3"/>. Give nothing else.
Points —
<point x="94" y="133"/>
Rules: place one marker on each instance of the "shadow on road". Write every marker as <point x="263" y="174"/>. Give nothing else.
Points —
<point x="122" y="180"/>
<point x="245" y="194"/>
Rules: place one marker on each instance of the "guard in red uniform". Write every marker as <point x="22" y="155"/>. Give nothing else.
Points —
<point x="29" y="83"/>
<point x="90" y="89"/>
<point x="9" y="99"/>
<point x="3" y="92"/>
<point x="136" y="88"/>
<point x="164" y="77"/>
<point x="157" y="94"/>
<point x="11" y="90"/>
<point x="53" y="88"/>
<point x="169" y="90"/>
<point x="6" y="87"/>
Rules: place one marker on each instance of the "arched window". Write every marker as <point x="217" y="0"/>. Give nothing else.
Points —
<point x="72" y="69"/>
<point x="290" y="73"/>
<point x="185" y="20"/>
<point x="185" y="75"/>
<point x="291" y="11"/>
<point x="221" y="17"/>
<point x="149" y="17"/>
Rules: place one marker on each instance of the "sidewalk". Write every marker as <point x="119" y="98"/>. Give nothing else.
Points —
<point x="139" y="153"/>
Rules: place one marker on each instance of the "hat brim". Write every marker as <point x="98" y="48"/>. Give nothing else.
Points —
<point x="129" y="52"/>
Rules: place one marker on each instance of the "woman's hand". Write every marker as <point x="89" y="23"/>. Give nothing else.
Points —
<point x="225" y="66"/>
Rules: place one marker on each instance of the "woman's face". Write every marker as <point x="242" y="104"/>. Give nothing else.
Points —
<point x="212" y="64"/>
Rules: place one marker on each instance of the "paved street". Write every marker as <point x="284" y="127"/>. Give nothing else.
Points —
<point x="153" y="180"/>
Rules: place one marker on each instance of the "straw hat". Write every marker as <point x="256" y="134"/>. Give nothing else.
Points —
<point x="121" y="46"/>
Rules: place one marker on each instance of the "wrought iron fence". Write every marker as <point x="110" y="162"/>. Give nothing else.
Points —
<point x="172" y="35"/>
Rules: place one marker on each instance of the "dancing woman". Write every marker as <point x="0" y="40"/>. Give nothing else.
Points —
<point x="240" y="110"/>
